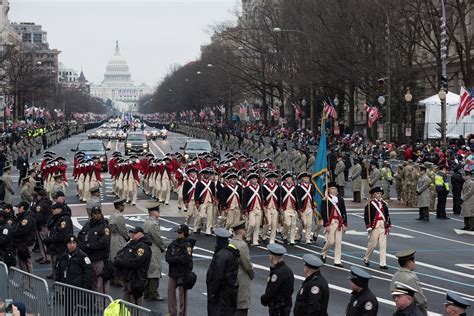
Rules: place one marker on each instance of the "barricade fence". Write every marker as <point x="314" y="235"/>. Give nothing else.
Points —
<point x="64" y="299"/>
<point x="30" y="289"/>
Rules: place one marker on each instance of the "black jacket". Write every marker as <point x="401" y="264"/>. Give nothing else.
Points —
<point x="132" y="262"/>
<point x="94" y="239"/>
<point x="363" y="303"/>
<point x="179" y="256"/>
<point x="221" y="281"/>
<point x="279" y="290"/>
<point x="457" y="181"/>
<point x="75" y="270"/>
<point x="313" y="296"/>
<point x="42" y="209"/>
<point x="60" y="226"/>
<point x="411" y="310"/>
<point x="6" y="238"/>
<point x="25" y="228"/>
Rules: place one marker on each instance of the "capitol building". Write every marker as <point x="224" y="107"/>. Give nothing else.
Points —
<point x="118" y="85"/>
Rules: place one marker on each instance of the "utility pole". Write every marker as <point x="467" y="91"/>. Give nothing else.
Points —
<point x="444" y="76"/>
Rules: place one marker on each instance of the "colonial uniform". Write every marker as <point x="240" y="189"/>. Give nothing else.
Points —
<point x="204" y="197"/>
<point x="253" y="208"/>
<point x="271" y="202"/>
<point x="230" y="200"/>
<point x="288" y="209"/>
<point x="189" y="189"/>
<point x="304" y="194"/>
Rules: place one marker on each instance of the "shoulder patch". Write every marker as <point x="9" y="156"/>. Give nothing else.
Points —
<point x="301" y="291"/>
<point x="5" y="231"/>
<point x="355" y="303"/>
<point x="140" y="252"/>
<point x="62" y="225"/>
<point x="106" y="231"/>
<point x="274" y="278"/>
<point x="190" y="250"/>
<point x="87" y="260"/>
<point x="24" y="222"/>
<point x="38" y="208"/>
<point x="368" y="306"/>
<point x="315" y="290"/>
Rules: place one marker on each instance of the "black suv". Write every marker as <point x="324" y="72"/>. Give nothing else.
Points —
<point x="136" y="143"/>
<point x="93" y="148"/>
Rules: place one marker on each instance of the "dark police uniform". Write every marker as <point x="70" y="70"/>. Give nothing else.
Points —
<point x="7" y="253"/>
<point x="280" y="285"/>
<point x="458" y="301"/>
<point x="363" y="302"/>
<point x="24" y="236"/>
<point x="313" y="295"/>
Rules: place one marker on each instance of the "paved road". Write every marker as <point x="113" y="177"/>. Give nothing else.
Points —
<point x="444" y="258"/>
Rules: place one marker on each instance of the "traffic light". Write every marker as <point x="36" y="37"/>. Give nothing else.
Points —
<point x="381" y="85"/>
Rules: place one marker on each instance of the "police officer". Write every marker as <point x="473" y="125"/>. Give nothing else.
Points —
<point x="42" y="210"/>
<point x="60" y="226"/>
<point x="24" y="236"/>
<point x="7" y="252"/>
<point x="151" y="227"/>
<point x="221" y="279"/>
<point x="94" y="200"/>
<point x="403" y="295"/>
<point x="74" y="266"/>
<point x="405" y="275"/>
<point x="363" y="302"/>
<point x="313" y="296"/>
<point x="132" y="264"/>
<point x="455" y="304"/>
<point x="118" y="235"/>
<point x="442" y="188"/>
<point x="94" y="240"/>
<point x="280" y="284"/>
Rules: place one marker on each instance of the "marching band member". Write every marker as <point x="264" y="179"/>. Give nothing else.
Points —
<point x="252" y="207"/>
<point x="333" y="212"/>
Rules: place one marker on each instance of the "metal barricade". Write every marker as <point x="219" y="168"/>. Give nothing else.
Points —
<point x="129" y="309"/>
<point x="75" y="301"/>
<point x="3" y="280"/>
<point x="29" y="289"/>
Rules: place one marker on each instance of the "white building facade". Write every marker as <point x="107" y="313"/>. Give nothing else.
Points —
<point x="118" y="85"/>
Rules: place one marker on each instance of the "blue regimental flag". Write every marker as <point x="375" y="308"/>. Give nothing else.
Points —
<point x="320" y="168"/>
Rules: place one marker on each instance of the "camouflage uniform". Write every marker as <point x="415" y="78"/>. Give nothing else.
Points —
<point x="398" y="182"/>
<point x="411" y="182"/>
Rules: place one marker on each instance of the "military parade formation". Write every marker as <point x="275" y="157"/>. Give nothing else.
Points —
<point x="249" y="195"/>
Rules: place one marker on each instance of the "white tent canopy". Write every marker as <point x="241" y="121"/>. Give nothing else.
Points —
<point x="433" y="116"/>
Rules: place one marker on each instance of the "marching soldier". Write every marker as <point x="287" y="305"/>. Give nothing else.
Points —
<point x="363" y="302"/>
<point x="288" y="208"/>
<point x="339" y="173"/>
<point x="230" y="200"/>
<point x="313" y="296"/>
<point x="180" y="177"/>
<point x="204" y="197"/>
<point x="423" y="192"/>
<point x="271" y="202"/>
<point x="189" y="188"/>
<point x="356" y="181"/>
<point x="166" y="175"/>
<point x="280" y="283"/>
<point x="377" y="222"/>
<point x="333" y="212"/>
<point x="304" y="194"/>
<point x="152" y="227"/>
<point x="405" y="275"/>
<point x="94" y="240"/>
<point x="118" y="235"/>
<point x="94" y="200"/>
<point x="252" y="208"/>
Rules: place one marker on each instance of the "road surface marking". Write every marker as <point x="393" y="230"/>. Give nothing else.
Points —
<point x="362" y="233"/>
<point x="464" y="232"/>
<point x="469" y="266"/>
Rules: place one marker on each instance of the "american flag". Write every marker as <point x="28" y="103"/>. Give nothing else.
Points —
<point x="299" y="113"/>
<point x="212" y="113"/>
<point x="221" y="109"/>
<point x="202" y="114"/>
<point x="466" y="105"/>
<point x="256" y="114"/>
<point x="329" y="110"/>
<point x="275" y="112"/>
<point x="243" y="109"/>
<point x="373" y="113"/>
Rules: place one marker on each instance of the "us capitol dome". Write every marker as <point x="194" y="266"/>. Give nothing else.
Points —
<point x="118" y="85"/>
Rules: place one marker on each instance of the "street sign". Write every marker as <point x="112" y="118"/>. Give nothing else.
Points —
<point x="408" y="131"/>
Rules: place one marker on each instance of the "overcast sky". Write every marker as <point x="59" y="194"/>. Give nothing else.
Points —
<point x="152" y="34"/>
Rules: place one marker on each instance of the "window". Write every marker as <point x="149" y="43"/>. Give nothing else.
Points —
<point x="26" y="37"/>
<point x="37" y="38"/>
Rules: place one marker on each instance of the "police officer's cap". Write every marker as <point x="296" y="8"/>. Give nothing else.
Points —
<point x="57" y="206"/>
<point x="406" y="255"/>
<point x="154" y="207"/>
<point x="427" y="164"/>
<point x="403" y="289"/>
<point x="456" y="300"/>
<point x="136" y="229"/>
<point x="359" y="277"/>
<point x="94" y="189"/>
<point x="303" y="175"/>
<point x="312" y="261"/>
<point x="23" y="204"/>
<point x="252" y="176"/>
<point x="276" y="250"/>
<point x="3" y="214"/>
<point x="386" y="162"/>
<point x="222" y="233"/>
<point x="231" y="176"/>
<point x="376" y="190"/>
<point x="31" y="171"/>
<point x="119" y="201"/>
<point x="183" y="228"/>
<point x="71" y="238"/>
<point x="239" y="225"/>
<point x="287" y="175"/>
<point x="8" y="206"/>
<point x="96" y="210"/>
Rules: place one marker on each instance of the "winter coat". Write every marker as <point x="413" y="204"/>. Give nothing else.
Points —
<point x="222" y="283"/>
<point x="339" y="172"/>
<point x="60" y="226"/>
<point x="423" y="191"/>
<point x="8" y="183"/>
<point x="94" y="239"/>
<point x="356" y="178"/>
<point x="457" y="182"/>
<point x="467" y="197"/>
<point x="179" y="256"/>
<point x="118" y="233"/>
<point x="152" y="227"/>
<point x="374" y="178"/>
<point x="246" y="274"/>
<point x="25" y="228"/>
<point x="75" y="269"/>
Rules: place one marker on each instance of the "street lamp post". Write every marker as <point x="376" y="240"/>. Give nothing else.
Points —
<point x="408" y="99"/>
<point x="442" y="97"/>
<point x="444" y="78"/>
